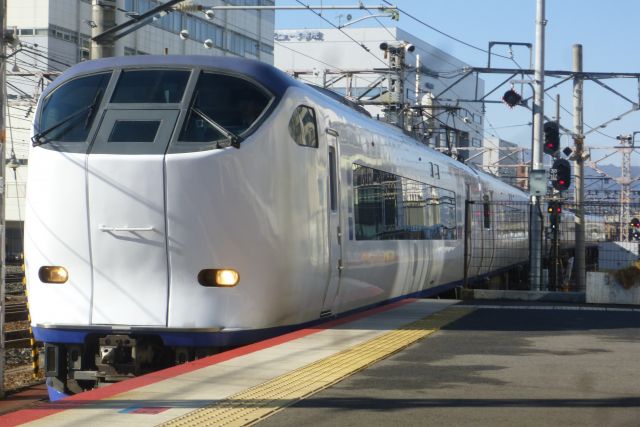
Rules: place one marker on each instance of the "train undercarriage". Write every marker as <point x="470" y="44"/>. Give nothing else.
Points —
<point x="107" y="359"/>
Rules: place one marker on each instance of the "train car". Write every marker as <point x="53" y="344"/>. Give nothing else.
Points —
<point x="180" y="205"/>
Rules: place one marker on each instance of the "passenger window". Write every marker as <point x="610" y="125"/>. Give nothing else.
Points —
<point x="303" y="128"/>
<point x="231" y="103"/>
<point x="73" y="106"/>
<point x="151" y="86"/>
<point x="391" y="207"/>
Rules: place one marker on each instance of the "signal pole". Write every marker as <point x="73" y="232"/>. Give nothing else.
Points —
<point x="535" y="274"/>
<point x="579" y="167"/>
<point x="3" y="133"/>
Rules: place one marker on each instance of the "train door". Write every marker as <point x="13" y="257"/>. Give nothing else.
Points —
<point x="126" y="197"/>
<point x="489" y="212"/>
<point x="335" y="225"/>
<point x="468" y="235"/>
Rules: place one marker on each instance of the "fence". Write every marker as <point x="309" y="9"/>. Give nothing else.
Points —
<point x="497" y="239"/>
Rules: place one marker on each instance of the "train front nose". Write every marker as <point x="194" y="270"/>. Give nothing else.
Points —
<point x="126" y="201"/>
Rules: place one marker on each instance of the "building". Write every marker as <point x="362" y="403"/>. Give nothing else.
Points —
<point x="506" y="160"/>
<point x="55" y="34"/>
<point x="350" y="61"/>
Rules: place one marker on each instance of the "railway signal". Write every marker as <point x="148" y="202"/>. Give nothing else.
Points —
<point x="561" y="174"/>
<point x="555" y="212"/>
<point x="635" y="228"/>
<point x="512" y="98"/>
<point x="551" y="138"/>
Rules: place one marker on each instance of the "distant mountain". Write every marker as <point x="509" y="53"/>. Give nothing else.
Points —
<point x="614" y="172"/>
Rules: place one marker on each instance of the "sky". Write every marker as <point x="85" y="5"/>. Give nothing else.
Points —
<point x="607" y="31"/>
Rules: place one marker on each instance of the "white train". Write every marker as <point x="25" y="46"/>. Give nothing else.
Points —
<point x="179" y="205"/>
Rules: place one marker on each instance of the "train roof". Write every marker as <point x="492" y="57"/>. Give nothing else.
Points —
<point x="268" y="76"/>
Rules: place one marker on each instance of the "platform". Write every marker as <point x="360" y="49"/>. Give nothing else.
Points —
<point x="247" y="384"/>
<point x="483" y="363"/>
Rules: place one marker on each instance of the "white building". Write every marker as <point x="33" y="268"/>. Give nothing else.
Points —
<point x="344" y="60"/>
<point x="56" y="34"/>
<point x="506" y="160"/>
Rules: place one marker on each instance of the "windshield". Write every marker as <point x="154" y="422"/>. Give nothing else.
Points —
<point x="223" y="106"/>
<point x="150" y="86"/>
<point x="71" y="104"/>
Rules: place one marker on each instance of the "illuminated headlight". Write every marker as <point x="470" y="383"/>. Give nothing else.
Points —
<point x="222" y="277"/>
<point x="53" y="274"/>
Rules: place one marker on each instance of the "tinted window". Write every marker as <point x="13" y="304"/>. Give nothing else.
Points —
<point x="391" y="207"/>
<point x="73" y="98"/>
<point x="150" y="86"/>
<point x="333" y="198"/>
<point x="134" y="131"/>
<point x="302" y="127"/>
<point x="231" y="102"/>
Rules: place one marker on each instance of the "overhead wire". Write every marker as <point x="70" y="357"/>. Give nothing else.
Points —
<point x="308" y="56"/>
<point x="431" y="27"/>
<point x="339" y="29"/>
<point x="381" y="24"/>
<point x="317" y="60"/>
<point x="404" y="12"/>
<point x="563" y="108"/>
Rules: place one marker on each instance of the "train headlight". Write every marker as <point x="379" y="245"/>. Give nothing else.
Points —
<point x="53" y="274"/>
<point x="219" y="277"/>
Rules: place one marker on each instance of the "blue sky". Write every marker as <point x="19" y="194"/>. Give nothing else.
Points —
<point x="608" y="32"/>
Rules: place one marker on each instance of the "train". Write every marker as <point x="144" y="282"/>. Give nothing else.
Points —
<point x="181" y="205"/>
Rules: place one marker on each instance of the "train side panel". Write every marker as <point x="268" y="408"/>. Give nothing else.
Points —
<point x="378" y="270"/>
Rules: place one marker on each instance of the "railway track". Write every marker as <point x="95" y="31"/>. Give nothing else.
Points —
<point x="15" y="312"/>
<point x="21" y="353"/>
<point x="16" y="331"/>
<point x="19" y="338"/>
<point x="15" y="308"/>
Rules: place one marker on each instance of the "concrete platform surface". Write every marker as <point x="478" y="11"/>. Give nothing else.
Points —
<point x="524" y="365"/>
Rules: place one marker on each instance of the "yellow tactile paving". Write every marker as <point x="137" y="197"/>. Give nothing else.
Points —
<point x="256" y="403"/>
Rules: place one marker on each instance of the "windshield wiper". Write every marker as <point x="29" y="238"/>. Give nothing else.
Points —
<point x="39" y="138"/>
<point x="233" y="139"/>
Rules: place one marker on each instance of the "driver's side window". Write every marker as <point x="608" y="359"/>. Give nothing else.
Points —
<point x="233" y="103"/>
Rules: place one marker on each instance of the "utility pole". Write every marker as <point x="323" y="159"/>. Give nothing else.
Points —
<point x="626" y="143"/>
<point x="535" y="274"/>
<point x="578" y="136"/>
<point x="103" y="15"/>
<point x="3" y="140"/>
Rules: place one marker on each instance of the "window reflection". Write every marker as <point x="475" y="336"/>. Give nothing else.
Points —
<point x="391" y="207"/>
<point x="150" y="86"/>
<point x="71" y="98"/>
<point x="303" y="128"/>
<point x="233" y="103"/>
<point x="134" y="131"/>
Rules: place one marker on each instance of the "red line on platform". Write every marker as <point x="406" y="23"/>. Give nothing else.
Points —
<point x="91" y="396"/>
